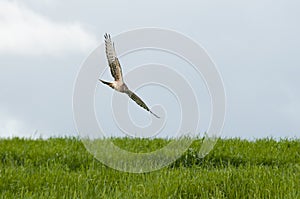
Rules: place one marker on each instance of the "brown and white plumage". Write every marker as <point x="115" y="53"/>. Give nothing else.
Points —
<point x="116" y="71"/>
<point x="113" y="61"/>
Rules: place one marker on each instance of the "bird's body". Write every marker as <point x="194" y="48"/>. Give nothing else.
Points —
<point x="116" y="71"/>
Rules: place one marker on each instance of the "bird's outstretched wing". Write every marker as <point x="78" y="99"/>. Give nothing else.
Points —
<point x="113" y="61"/>
<point x="139" y="101"/>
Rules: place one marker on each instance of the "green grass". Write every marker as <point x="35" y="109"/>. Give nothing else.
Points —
<point x="62" y="168"/>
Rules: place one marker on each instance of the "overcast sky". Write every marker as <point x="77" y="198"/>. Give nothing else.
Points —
<point x="255" y="45"/>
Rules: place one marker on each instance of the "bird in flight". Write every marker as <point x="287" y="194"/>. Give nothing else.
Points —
<point x="116" y="71"/>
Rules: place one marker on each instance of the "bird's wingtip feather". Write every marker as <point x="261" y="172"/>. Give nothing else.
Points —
<point x="154" y="114"/>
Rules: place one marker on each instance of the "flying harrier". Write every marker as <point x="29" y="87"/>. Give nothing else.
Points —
<point x="116" y="72"/>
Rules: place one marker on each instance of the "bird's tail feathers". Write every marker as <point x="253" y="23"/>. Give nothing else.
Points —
<point x="107" y="83"/>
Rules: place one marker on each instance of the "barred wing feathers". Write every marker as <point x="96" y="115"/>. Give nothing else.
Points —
<point x="113" y="61"/>
<point x="139" y="101"/>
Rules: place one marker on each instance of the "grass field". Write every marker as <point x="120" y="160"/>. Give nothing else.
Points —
<point x="62" y="168"/>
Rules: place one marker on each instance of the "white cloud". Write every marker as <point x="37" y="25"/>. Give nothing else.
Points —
<point x="23" y="31"/>
<point x="11" y="128"/>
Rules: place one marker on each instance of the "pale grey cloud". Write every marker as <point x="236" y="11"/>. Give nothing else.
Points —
<point x="25" y="32"/>
<point x="255" y="45"/>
